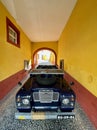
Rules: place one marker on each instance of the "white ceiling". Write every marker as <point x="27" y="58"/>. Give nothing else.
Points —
<point x="41" y="20"/>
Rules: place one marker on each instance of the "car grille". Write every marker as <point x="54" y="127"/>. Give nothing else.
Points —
<point x="46" y="96"/>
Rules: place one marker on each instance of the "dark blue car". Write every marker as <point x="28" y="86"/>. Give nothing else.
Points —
<point x="46" y="90"/>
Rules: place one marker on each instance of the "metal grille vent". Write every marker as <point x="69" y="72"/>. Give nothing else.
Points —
<point x="46" y="96"/>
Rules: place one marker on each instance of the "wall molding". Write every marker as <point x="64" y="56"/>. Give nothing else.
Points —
<point x="85" y="98"/>
<point x="7" y="84"/>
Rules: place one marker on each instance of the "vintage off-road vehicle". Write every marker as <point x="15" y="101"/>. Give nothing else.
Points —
<point x="45" y="95"/>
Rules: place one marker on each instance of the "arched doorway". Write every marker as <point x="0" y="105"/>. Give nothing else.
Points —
<point x="44" y="56"/>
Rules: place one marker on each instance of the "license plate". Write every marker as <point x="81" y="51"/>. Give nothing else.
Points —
<point x="65" y="117"/>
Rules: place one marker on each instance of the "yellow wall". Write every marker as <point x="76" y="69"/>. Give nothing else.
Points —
<point x="78" y="44"/>
<point x="50" y="45"/>
<point x="11" y="57"/>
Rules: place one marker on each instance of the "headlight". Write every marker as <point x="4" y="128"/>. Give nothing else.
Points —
<point x="25" y="101"/>
<point x="65" y="101"/>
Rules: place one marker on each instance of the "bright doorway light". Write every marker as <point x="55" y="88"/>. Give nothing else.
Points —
<point x="45" y="57"/>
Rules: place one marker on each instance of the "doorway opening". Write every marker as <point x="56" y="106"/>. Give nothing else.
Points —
<point x="44" y="57"/>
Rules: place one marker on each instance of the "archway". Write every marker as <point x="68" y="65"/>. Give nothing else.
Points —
<point x="44" y="56"/>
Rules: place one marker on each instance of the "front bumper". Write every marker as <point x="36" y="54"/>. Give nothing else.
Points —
<point x="44" y="115"/>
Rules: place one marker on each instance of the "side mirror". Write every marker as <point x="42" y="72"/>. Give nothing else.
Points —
<point x="19" y="83"/>
<point x="71" y="83"/>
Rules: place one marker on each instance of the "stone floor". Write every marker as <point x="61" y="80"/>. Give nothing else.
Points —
<point x="8" y="122"/>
